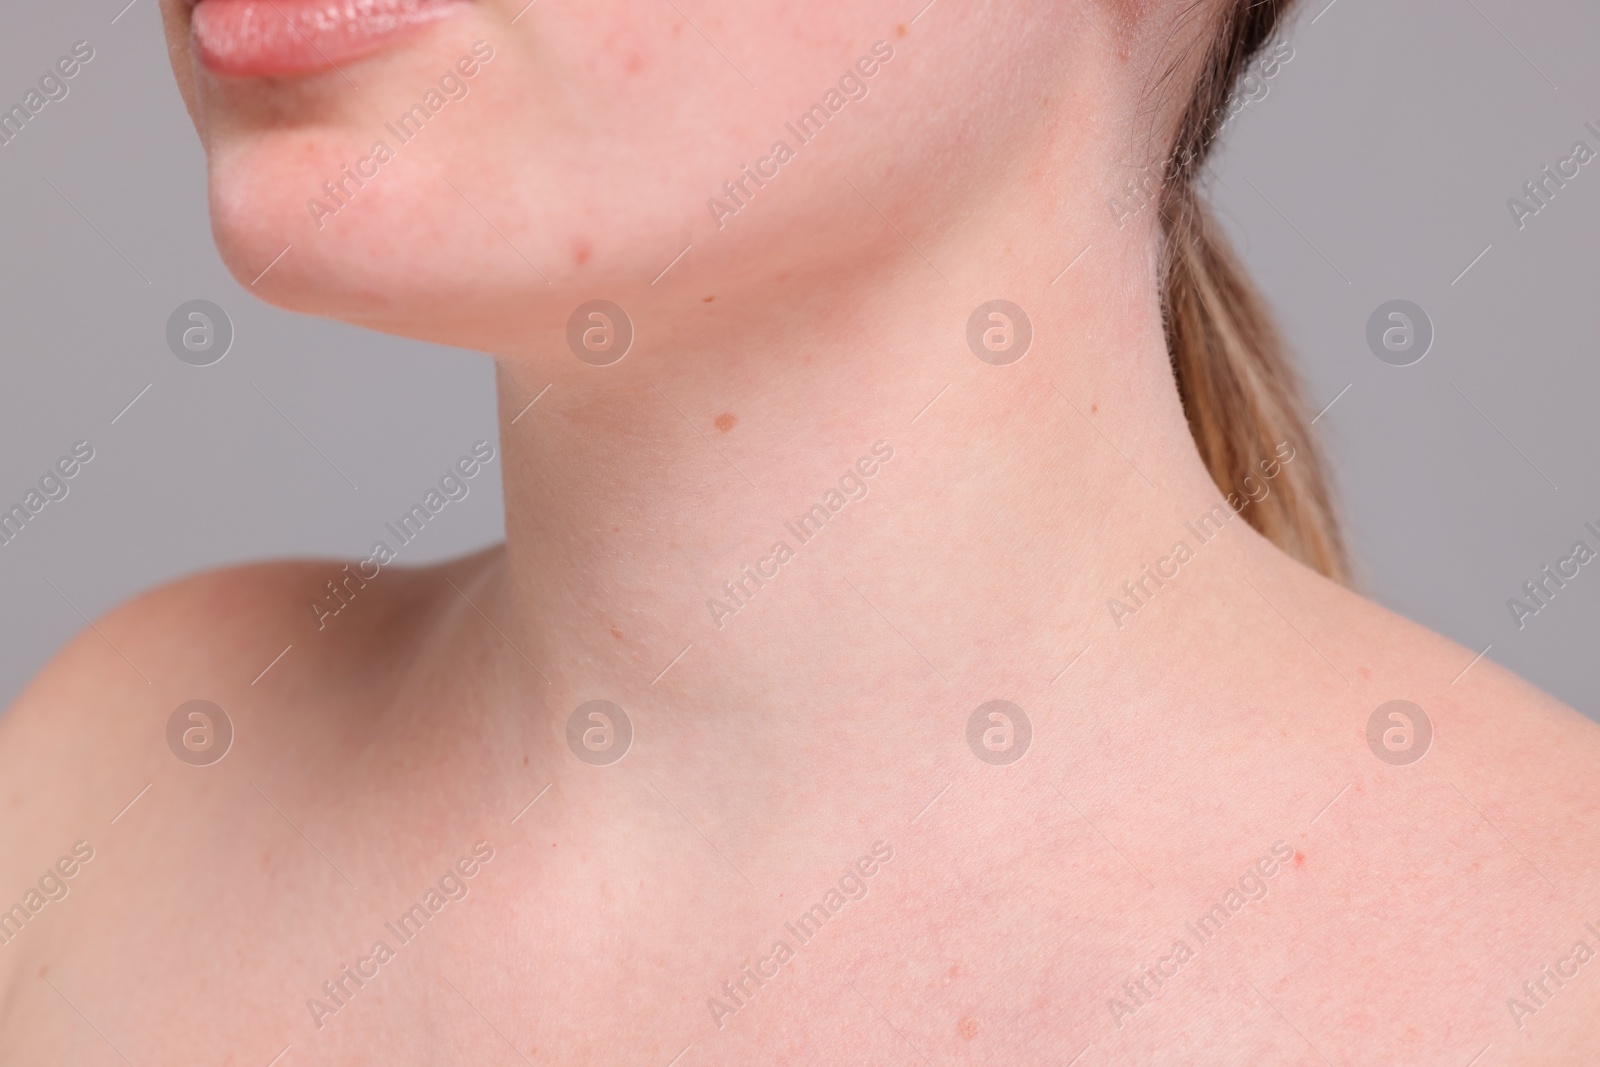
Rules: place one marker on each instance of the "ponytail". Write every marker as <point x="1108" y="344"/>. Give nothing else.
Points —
<point x="1239" y="392"/>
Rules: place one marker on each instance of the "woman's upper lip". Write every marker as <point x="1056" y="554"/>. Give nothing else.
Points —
<point x="278" y="38"/>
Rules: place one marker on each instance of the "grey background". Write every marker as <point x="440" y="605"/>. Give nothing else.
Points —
<point x="1377" y="166"/>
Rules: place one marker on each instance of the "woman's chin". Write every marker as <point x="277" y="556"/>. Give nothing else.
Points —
<point x="321" y="221"/>
<point x="301" y="230"/>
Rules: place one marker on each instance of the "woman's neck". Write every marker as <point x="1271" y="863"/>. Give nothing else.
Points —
<point x="819" y="494"/>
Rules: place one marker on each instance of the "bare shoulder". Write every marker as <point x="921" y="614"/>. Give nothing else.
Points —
<point x="1469" y="687"/>
<point x="1421" y="719"/>
<point x="216" y="624"/>
<point x="90" y="729"/>
<point x="1445" y="817"/>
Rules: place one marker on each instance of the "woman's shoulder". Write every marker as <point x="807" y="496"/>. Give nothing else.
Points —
<point x="93" y="723"/>
<point x="233" y="623"/>
<point x="1442" y="815"/>
<point x="1371" y="642"/>
<point x="1456" y="706"/>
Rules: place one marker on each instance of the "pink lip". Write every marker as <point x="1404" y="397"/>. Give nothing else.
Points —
<point x="275" y="38"/>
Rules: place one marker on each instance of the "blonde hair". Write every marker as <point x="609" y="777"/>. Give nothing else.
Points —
<point x="1240" y="394"/>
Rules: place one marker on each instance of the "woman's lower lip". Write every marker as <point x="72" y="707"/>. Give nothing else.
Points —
<point x="276" y="38"/>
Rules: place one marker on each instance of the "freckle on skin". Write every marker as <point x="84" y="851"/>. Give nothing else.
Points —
<point x="1299" y="858"/>
<point x="580" y="252"/>
<point x="1093" y="408"/>
<point x="725" y="421"/>
<point x="900" y="30"/>
<point x="708" y="299"/>
<point x="616" y="633"/>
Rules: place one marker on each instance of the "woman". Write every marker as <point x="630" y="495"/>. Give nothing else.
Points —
<point x="891" y="658"/>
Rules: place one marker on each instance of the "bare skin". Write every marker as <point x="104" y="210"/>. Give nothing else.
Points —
<point x="1013" y="913"/>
